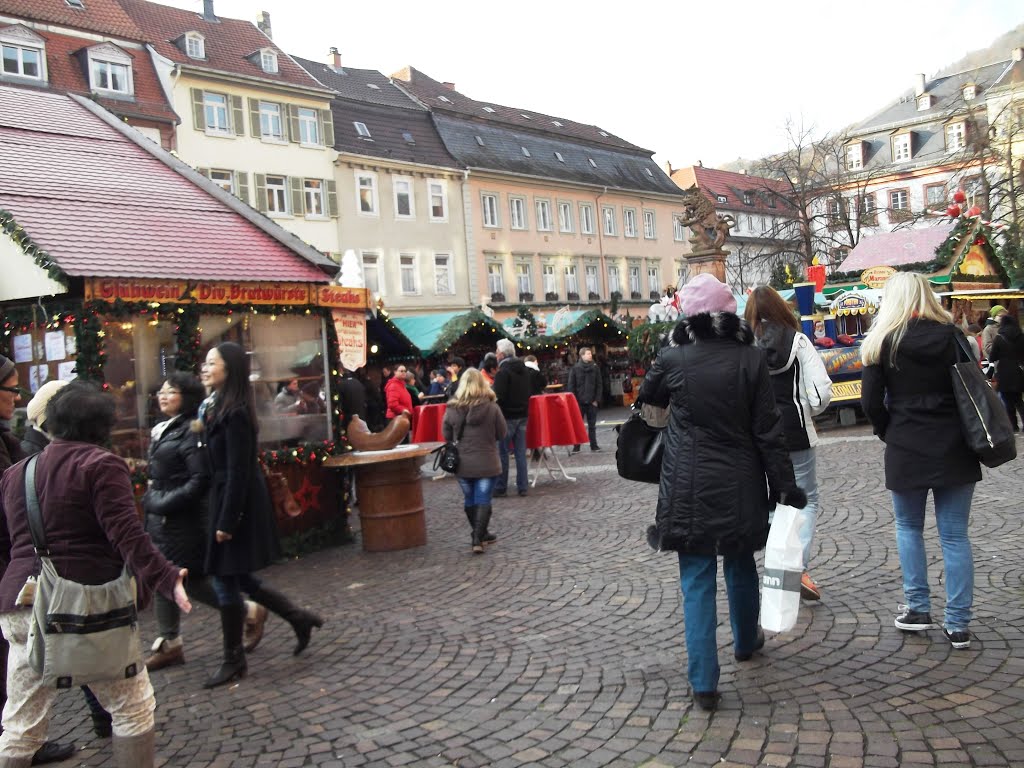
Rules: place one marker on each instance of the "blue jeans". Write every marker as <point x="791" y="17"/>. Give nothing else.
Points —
<point x="476" y="490"/>
<point x="517" y="436"/>
<point x="952" y="514"/>
<point x="807" y="480"/>
<point x="229" y="589"/>
<point x="697" y="577"/>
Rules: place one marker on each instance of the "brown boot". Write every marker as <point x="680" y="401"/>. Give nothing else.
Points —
<point x="166" y="653"/>
<point x="255" y="618"/>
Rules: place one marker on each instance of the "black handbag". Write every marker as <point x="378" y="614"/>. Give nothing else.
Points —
<point x="983" y="418"/>
<point x="447" y="456"/>
<point x="639" y="449"/>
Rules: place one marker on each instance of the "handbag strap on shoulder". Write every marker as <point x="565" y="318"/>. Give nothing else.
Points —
<point x="462" y="426"/>
<point x="964" y="354"/>
<point x="35" y="515"/>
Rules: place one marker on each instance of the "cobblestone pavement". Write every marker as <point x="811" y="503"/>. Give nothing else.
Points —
<point x="563" y="646"/>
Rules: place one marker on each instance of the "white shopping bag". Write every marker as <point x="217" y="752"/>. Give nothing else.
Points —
<point x="783" y="567"/>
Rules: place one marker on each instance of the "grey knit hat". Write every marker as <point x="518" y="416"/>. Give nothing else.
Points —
<point x="6" y="369"/>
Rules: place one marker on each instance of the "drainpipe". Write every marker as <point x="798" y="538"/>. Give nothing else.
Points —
<point x="472" y="281"/>
<point x="599" y="223"/>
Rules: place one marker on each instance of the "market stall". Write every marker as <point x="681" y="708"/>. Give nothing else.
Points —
<point x="440" y="336"/>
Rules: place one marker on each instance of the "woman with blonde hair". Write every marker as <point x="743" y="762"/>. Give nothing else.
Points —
<point x="907" y="394"/>
<point x="474" y="421"/>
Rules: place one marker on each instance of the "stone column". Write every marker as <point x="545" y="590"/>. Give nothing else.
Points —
<point x="710" y="261"/>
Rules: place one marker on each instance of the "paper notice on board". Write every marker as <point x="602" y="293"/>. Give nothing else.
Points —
<point x="44" y="374"/>
<point x="66" y="371"/>
<point x="71" y="345"/>
<point x="55" y="349"/>
<point x="23" y="348"/>
<point x="33" y="379"/>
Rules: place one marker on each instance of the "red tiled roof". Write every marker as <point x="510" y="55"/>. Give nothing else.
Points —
<point x="713" y="182"/>
<point x="104" y="16"/>
<point x="430" y="91"/>
<point x="228" y="42"/>
<point x="102" y="206"/>
<point x="893" y="249"/>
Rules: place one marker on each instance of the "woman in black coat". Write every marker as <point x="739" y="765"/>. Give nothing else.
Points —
<point x="1008" y="355"/>
<point x="724" y="438"/>
<point x="243" y="537"/>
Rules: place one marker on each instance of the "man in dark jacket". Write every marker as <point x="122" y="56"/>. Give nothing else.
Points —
<point x="351" y="398"/>
<point x="512" y="386"/>
<point x="455" y="366"/>
<point x="585" y="384"/>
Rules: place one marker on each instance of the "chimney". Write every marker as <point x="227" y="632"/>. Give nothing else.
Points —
<point x="335" y="59"/>
<point x="449" y="86"/>
<point x="1017" y="54"/>
<point x="263" y="22"/>
<point x="700" y="163"/>
<point x="208" y="10"/>
<point x="668" y="167"/>
<point x="919" y="84"/>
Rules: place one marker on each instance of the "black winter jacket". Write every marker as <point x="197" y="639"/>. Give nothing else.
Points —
<point x="724" y="438"/>
<point x="912" y="408"/>
<point x="585" y="382"/>
<point x="34" y="441"/>
<point x="513" y="387"/>
<point x="176" y="501"/>
<point x="1008" y="355"/>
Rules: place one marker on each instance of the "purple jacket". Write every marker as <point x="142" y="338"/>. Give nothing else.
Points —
<point x="92" y="527"/>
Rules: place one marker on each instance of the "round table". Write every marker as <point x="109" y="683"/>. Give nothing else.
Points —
<point x="555" y="419"/>
<point x="427" y="421"/>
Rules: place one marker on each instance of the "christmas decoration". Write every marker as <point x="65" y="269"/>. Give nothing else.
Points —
<point x="21" y="238"/>
<point x="953" y="211"/>
<point x="959" y="197"/>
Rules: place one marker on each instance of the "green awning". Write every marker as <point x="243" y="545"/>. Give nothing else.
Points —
<point x="434" y="333"/>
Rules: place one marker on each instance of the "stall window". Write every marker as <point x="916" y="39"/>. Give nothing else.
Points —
<point x="281" y="349"/>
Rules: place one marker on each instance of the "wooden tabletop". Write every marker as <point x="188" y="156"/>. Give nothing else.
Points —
<point x="362" y="458"/>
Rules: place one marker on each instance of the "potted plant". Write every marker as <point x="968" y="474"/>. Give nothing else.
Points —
<point x="635" y="295"/>
<point x="526" y="296"/>
<point x="550" y="296"/>
<point x="655" y="296"/>
<point x="593" y="296"/>
<point x="497" y="297"/>
<point x="572" y="296"/>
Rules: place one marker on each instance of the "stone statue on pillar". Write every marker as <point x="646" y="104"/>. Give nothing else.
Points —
<point x="708" y="232"/>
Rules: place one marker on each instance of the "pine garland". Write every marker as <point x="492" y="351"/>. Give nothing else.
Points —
<point x="43" y="259"/>
<point x="645" y="341"/>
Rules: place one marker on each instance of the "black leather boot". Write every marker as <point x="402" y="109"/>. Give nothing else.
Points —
<point x="488" y="537"/>
<point x="483" y="517"/>
<point x="232" y="621"/>
<point x="302" y="621"/>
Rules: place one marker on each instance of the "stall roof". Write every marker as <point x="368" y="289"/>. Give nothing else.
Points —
<point x="433" y="333"/>
<point x="573" y="322"/>
<point x="105" y="201"/>
<point x="896" y="249"/>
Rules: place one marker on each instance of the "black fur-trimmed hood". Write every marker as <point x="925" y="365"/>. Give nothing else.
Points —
<point x="708" y="326"/>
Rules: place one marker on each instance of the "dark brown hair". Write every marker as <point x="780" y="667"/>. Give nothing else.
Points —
<point x="765" y="305"/>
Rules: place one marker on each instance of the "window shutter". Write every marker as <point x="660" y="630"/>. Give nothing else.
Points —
<point x="254" y="118"/>
<point x="296" y="184"/>
<point x="237" y="115"/>
<point x="204" y="171"/>
<point x="293" y="123"/>
<point x="198" y="110"/>
<point x="260" y="180"/>
<point x="332" y="198"/>
<point x="327" y="127"/>
<point x="242" y="186"/>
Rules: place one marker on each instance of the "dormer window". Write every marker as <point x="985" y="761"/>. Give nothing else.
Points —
<point x="748" y="198"/>
<point x="955" y="137"/>
<point x="110" y="70"/>
<point x="900" y="147"/>
<point x="195" y="45"/>
<point x="924" y="101"/>
<point x="855" y="156"/>
<point x="970" y="92"/>
<point x="722" y="198"/>
<point x="268" y="61"/>
<point x="362" y="131"/>
<point x="23" y="53"/>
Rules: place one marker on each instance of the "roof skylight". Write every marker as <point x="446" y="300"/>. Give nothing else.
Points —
<point x="489" y="109"/>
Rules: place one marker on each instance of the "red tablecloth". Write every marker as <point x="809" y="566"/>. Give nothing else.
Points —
<point x="427" y="420"/>
<point x="555" y="420"/>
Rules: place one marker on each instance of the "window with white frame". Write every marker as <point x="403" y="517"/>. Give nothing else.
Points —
<point x="854" y="156"/>
<point x="572" y="284"/>
<point x="195" y="45"/>
<point x="277" y="195"/>
<point x="371" y="272"/>
<point x="110" y="76"/>
<point x="543" y="215"/>
<point x="649" y="232"/>
<point x="268" y="61"/>
<point x="899" y="200"/>
<point x="901" y="147"/>
<point x="404" y="198"/>
<point x="309" y="126"/>
<point x="361" y="130"/>
<point x="586" y="219"/>
<point x="550" y="283"/>
<point x="22" y="61"/>
<point x="313" y="196"/>
<point x="366" y="194"/>
<point x="592" y="279"/>
<point x="517" y="212"/>
<point x="409" y="274"/>
<point x="565" y="217"/>
<point x="223" y="179"/>
<point x="935" y="196"/>
<point x="681" y="271"/>
<point x="955" y="137"/>
<point x="437" y="194"/>
<point x="271" y="122"/>
<point x="495" y="278"/>
<point x="608" y="215"/>
<point x="678" y="230"/>
<point x="524" y="278"/>
<point x="765" y="225"/>
<point x="634" y="280"/>
<point x="614" y="283"/>
<point x="444" y="280"/>
<point x="750" y="224"/>
<point x="970" y="92"/>
<point x="489" y="205"/>
<point x="629" y="222"/>
<point x="653" y="279"/>
<point x="215" y="109"/>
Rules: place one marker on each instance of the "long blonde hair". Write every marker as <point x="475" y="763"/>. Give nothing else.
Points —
<point x="907" y="296"/>
<point x="473" y="390"/>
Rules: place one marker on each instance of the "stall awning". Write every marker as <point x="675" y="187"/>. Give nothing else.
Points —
<point x="983" y="295"/>
<point x="433" y="334"/>
<point x="386" y="336"/>
<point x="565" y="324"/>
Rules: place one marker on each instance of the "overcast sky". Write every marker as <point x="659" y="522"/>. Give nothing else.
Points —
<point x="690" y="80"/>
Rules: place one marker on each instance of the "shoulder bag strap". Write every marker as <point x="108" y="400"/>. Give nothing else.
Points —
<point x="462" y="427"/>
<point x="963" y="351"/>
<point x="35" y="515"/>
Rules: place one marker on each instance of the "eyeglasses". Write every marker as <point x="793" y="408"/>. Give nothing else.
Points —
<point x="12" y="390"/>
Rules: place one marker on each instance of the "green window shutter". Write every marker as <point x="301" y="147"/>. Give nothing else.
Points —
<point x="260" y="180"/>
<point x="198" y="110"/>
<point x="254" y="118"/>
<point x="327" y="127"/>
<point x="332" y="198"/>
<point x="293" y="123"/>
<point x="298" y="209"/>
<point x="237" y="115"/>
<point x="242" y="186"/>
<point x="204" y="171"/>
<point x="286" y="123"/>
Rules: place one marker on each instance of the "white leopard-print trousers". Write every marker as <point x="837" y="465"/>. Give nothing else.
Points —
<point x="27" y="712"/>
